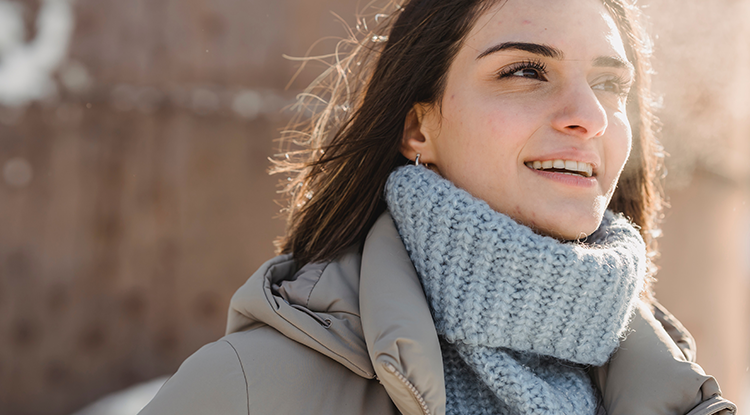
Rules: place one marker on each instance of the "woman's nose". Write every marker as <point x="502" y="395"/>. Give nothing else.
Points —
<point x="581" y="113"/>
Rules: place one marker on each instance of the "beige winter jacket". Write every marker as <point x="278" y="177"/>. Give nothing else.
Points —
<point x="355" y="336"/>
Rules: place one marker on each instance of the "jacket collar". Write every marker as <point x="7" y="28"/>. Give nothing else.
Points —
<point x="326" y="320"/>
<point x="365" y="311"/>
<point x="397" y="324"/>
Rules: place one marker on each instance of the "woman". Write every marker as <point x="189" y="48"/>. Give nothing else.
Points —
<point x="487" y="277"/>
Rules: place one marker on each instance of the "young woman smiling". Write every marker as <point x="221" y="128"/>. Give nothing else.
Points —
<point x="504" y="270"/>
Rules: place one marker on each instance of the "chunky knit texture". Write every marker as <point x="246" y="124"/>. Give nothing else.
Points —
<point x="518" y="313"/>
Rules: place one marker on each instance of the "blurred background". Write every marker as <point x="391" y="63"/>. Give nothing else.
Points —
<point x="134" y="195"/>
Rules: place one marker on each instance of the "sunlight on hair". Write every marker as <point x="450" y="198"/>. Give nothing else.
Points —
<point x="327" y="101"/>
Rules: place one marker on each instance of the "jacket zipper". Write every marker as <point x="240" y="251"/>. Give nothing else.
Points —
<point x="410" y="387"/>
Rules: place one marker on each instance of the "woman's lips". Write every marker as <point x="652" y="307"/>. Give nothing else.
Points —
<point x="570" y="179"/>
<point x="578" y="167"/>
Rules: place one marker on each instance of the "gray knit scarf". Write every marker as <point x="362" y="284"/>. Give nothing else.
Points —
<point x="518" y="314"/>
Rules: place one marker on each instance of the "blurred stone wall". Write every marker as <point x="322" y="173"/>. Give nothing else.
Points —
<point x="134" y="200"/>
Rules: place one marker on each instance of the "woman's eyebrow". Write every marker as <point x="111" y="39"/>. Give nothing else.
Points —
<point x="535" y="48"/>
<point x="555" y="53"/>
<point x="614" y="62"/>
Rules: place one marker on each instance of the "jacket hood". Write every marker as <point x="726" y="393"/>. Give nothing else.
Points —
<point x="316" y="305"/>
<point x="365" y="310"/>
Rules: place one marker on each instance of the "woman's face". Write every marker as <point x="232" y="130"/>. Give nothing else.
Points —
<point x="533" y="117"/>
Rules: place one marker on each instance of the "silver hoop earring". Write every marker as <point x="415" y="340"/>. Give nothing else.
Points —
<point x="416" y="160"/>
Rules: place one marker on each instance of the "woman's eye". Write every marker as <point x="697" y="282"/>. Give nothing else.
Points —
<point x="609" y="86"/>
<point x="526" y="70"/>
<point x="617" y="86"/>
<point x="528" y="73"/>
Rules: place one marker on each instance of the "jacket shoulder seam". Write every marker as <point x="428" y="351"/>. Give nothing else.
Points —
<point x="244" y="375"/>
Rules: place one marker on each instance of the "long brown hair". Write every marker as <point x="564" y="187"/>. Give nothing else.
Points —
<point x="344" y="141"/>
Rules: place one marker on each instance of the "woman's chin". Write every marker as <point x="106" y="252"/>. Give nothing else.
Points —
<point x="568" y="230"/>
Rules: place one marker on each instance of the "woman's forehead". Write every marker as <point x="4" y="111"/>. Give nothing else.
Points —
<point x="580" y="29"/>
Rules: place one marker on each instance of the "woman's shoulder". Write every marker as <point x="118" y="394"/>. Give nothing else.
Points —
<point x="212" y="380"/>
<point x="261" y="371"/>
<point x="653" y="370"/>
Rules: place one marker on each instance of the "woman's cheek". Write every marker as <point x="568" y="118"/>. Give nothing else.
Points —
<point x="624" y="138"/>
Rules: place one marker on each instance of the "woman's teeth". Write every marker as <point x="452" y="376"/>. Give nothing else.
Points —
<point x="577" y="168"/>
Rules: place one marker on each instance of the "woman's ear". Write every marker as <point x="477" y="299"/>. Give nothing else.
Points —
<point x="418" y="135"/>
